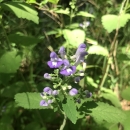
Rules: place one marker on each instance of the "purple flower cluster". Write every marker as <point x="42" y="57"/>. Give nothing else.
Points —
<point x="48" y="91"/>
<point x="65" y="68"/>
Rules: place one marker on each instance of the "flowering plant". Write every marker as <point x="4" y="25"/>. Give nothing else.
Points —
<point x="65" y="79"/>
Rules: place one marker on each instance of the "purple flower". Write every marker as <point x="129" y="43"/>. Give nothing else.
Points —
<point x="67" y="69"/>
<point x="47" y="90"/>
<point x="50" y="101"/>
<point x="80" y="56"/>
<point x="54" y="62"/>
<point x="62" y="52"/>
<point x="55" y="92"/>
<point x="82" y="47"/>
<point x="77" y="79"/>
<point x="43" y="103"/>
<point x="47" y="76"/>
<point x="73" y="91"/>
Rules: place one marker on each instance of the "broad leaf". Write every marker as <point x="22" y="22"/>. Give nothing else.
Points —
<point x="69" y="108"/>
<point x="126" y="122"/>
<point x="126" y="93"/>
<point x="29" y="100"/>
<point x="74" y="37"/>
<point x="22" y="10"/>
<point x="105" y="112"/>
<point x="9" y="62"/>
<point x="98" y="50"/>
<point x="111" y="22"/>
<point x="113" y="98"/>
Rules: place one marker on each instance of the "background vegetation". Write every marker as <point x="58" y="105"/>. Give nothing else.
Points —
<point x="30" y="29"/>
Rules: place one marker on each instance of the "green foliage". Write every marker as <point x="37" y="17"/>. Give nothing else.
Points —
<point x="105" y="112"/>
<point x="112" y="97"/>
<point x="69" y="108"/>
<point x="29" y="100"/>
<point x="74" y="37"/>
<point x="112" y="22"/>
<point x="26" y="41"/>
<point x="23" y="62"/>
<point x="84" y="14"/>
<point x="9" y="61"/>
<point x="126" y="122"/>
<point x="22" y="10"/>
<point x="53" y="1"/>
<point x="98" y="50"/>
<point x="126" y="93"/>
<point x="91" y="82"/>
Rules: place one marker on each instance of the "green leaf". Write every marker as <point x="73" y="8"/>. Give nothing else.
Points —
<point x="62" y="11"/>
<point x="91" y="82"/>
<point x="126" y="93"/>
<point x="22" y="10"/>
<point x="126" y="122"/>
<point x="105" y="112"/>
<point x="53" y="1"/>
<point x="69" y="108"/>
<point x="27" y="41"/>
<point x="111" y="22"/>
<point x="29" y="100"/>
<point x="85" y="14"/>
<point x="74" y="37"/>
<point x="113" y="98"/>
<point x="98" y="50"/>
<point x="9" y="62"/>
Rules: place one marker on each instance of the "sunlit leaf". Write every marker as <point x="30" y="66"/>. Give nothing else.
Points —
<point x="69" y="108"/>
<point x="74" y="37"/>
<point x="85" y="14"/>
<point x="29" y="100"/>
<point x="22" y="10"/>
<point x="98" y="50"/>
<point x="111" y="22"/>
<point x="105" y="113"/>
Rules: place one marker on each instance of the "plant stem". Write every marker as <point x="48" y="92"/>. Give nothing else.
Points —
<point x="64" y="122"/>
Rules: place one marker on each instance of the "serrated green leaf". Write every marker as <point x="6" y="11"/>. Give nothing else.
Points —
<point x="69" y="108"/>
<point x="27" y="41"/>
<point x="111" y="22"/>
<point x="22" y="10"/>
<point x="113" y="98"/>
<point x="29" y="100"/>
<point x="74" y="37"/>
<point x="126" y="93"/>
<point x="98" y="50"/>
<point x="10" y="62"/>
<point x="105" y="112"/>
<point x="85" y="14"/>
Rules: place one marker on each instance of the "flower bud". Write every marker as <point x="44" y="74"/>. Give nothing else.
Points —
<point x="43" y="103"/>
<point x="73" y="91"/>
<point x="47" y="76"/>
<point x="55" y="92"/>
<point x="47" y="90"/>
